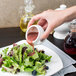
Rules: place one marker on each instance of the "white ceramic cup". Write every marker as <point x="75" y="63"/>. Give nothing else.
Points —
<point x="35" y="28"/>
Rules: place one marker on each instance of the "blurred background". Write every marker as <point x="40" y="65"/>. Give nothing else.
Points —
<point x="9" y="9"/>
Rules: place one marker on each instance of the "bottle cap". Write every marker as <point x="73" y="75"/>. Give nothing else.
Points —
<point x="29" y="6"/>
<point x="62" y="7"/>
<point x="73" y="26"/>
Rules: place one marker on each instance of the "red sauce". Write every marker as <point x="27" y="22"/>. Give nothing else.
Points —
<point x="30" y="42"/>
<point x="70" y="44"/>
<point x="30" y="38"/>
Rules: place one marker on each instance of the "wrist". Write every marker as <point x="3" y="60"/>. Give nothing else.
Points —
<point x="69" y="14"/>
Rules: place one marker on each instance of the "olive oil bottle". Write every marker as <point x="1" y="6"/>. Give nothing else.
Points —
<point x="27" y="14"/>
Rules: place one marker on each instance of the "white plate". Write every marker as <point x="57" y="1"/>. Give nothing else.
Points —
<point x="54" y="66"/>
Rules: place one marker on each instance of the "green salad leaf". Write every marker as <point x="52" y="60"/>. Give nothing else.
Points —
<point x="28" y="62"/>
<point x="22" y="59"/>
<point x="35" y="56"/>
<point x="5" y="52"/>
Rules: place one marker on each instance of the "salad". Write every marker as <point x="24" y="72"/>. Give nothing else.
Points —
<point x="21" y="58"/>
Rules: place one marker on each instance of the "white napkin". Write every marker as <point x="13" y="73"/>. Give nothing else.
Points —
<point x="64" y="71"/>
<point x="69" y="69"/>
<point x="67" y="60"/>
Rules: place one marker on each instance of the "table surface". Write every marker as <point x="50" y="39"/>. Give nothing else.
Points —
<point x="11" y="35"/>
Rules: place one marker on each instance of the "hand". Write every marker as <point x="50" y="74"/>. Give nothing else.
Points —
<point x="50" y="19"/>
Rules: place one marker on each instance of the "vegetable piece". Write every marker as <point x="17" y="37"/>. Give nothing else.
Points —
<point x="48" y="58"/>
<point x="20" y="54"/>
<point x="29" y="49"/>
<point x="22" y="68"/>
<point x="0" y="55"/>
<point x="23" y="50"/>
<point x="10" y="53"/>
<point x="28" y="62"/>
<point x="40" y="70"/>
<point x="5" y="52"/>
<point x="44" y="56"/>
<point x="24" y="56"/>
<point x="3" y="69"/>
<point x="1" y="61"/>
<point x="16" y="54"/>
<point x="31" y="54"/>
<point x="28" y="69"/>
<point x="14" y="44"/>
<point x="38" y="64"/>
<point x="35" y="56"/>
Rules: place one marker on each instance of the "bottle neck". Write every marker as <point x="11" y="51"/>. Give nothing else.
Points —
<point x="28" y="13"/>
<point x="73" y="28"/>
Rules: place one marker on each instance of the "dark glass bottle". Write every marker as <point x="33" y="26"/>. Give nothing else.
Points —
<point x="70" y="41"/>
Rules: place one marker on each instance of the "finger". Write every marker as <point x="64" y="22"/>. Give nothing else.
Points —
<point x="46" y="33"/>
<point x="35" y="18"/>
<point x="41" y="22"/>
<point x="45" y="25"/>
